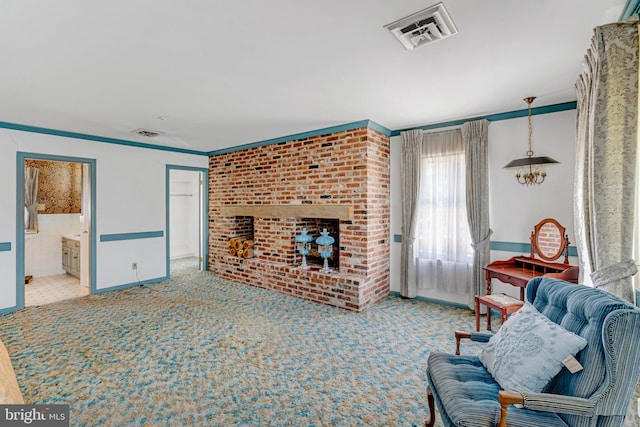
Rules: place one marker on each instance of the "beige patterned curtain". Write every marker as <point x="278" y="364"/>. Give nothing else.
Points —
<point x="31" y="198"/>
<point x="606" y="152"/>
<point x="606" y="156"/>
<point x="476" y="152"/>
<point x="411" y="149"/>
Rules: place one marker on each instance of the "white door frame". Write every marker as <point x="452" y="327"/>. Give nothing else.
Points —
<point x="204" y="210"/>
<point x="21" y="157"/>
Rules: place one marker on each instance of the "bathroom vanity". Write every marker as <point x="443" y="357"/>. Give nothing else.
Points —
<point x="71" y="254"/>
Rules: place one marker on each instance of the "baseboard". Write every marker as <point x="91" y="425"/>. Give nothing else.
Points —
<point x="131" y="285"/>
<point x="434" y="301"/>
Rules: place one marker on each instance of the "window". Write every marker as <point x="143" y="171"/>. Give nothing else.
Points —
<point x="443" y="242"/>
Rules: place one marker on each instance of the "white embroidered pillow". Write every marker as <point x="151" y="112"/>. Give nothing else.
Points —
<point x="528" y="350"/>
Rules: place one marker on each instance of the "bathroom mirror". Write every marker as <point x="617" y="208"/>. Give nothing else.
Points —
<point x="549" y="240"/>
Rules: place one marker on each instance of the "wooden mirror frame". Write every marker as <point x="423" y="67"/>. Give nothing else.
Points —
<point x="562" y="247"/>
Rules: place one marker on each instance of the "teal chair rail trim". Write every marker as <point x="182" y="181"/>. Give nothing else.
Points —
<point x="130" y="236"/>
<point x="505" y="246"/>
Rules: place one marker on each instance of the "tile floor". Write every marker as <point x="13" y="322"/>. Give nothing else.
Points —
<point x="48" y="289"/>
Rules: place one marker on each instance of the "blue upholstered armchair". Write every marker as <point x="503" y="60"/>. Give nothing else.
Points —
<point x="516" y="380"/>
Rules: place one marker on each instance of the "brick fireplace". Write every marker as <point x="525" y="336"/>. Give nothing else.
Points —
<point x="270" y="193"/>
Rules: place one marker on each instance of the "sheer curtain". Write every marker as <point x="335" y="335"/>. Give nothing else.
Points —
<point x="443" y="243"/>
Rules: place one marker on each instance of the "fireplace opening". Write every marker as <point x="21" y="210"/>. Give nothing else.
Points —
<point x="314" y="227"/>
<point x="239" y="226"/>
<point x="273" y="239"/>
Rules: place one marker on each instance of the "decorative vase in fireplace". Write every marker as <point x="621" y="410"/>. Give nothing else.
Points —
<point x="325" y="248"/>
<point x="303" y="244"/>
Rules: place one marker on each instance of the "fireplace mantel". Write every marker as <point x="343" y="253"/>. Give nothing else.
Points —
<point x="343" y="212"/>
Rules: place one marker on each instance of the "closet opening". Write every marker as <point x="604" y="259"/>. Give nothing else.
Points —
<point x="186" y="222"/>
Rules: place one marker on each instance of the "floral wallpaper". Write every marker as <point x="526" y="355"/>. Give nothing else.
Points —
<point x="59" y="186"/>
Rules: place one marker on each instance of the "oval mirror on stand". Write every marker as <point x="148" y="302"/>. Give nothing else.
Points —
<point x="549" y="240"/>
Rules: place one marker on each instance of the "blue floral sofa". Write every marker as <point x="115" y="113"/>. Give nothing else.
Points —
<point x="517" y="380"/>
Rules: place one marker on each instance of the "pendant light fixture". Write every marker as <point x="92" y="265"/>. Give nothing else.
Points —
<point x="530" y="170"/>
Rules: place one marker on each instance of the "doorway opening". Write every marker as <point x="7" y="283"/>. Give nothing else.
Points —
<point x="55" y="228"/>
<point x="186" y="219"/>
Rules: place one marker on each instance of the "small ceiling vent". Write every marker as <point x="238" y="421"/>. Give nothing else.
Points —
<point x="147" y="133"/>
<point x="424" y="27"/>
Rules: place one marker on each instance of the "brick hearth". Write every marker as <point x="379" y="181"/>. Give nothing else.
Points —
<point x="342" y="168"/>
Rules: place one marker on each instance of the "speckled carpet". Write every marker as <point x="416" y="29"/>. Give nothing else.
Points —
<point x="196" y="350"/>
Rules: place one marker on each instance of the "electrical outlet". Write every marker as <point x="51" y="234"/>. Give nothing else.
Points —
<point x="134" y="265"/>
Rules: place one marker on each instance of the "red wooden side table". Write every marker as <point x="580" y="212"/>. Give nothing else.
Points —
<point x="505" y="304"/>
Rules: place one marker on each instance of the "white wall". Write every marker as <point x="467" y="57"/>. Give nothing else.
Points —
<point x="130" y="198"/>
<point x="184" y="213"/>
<point x="43" y="251"/>
<point x="514" y="209"/>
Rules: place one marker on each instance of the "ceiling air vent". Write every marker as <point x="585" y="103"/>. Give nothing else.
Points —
<point x="424" y="27"/>
<point x="147" y="133"/>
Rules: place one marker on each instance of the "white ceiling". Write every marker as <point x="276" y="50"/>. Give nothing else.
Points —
<point x="217" y="74"/>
